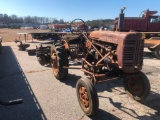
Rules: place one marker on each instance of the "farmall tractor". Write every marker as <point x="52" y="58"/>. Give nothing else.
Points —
<point x="104" y="56"/>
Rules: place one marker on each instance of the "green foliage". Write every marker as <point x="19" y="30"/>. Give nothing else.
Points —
<point x="5" y="19"/>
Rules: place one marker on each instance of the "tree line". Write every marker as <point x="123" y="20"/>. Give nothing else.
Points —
<point x="12" y="19"/>
<point x="6" y="19"/>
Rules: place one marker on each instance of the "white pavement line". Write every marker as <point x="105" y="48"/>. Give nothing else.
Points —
<point x="43" y="117"/>
<point x="38" y="106"/>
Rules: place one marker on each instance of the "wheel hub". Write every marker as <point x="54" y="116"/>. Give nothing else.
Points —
<point x="54" y="63"/>
<point x="54" y="58"/>
<point x="84" y="97"/>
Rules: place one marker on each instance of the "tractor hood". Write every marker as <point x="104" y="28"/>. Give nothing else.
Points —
<point x="129" y="48"/>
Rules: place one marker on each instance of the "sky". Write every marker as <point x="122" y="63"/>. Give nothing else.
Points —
<point x="72" y="9"/>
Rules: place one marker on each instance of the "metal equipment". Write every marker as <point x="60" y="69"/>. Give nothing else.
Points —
<point x="22" y="46"/>
<point x="104" y="56"/>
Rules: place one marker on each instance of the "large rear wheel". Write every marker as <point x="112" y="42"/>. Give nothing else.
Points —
<point x="137" y="86"/>
<point x="59" y="58"/>
<point x="87" y="96"/>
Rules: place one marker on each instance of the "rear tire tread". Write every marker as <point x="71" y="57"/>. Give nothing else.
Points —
<point x="62" y="60"/>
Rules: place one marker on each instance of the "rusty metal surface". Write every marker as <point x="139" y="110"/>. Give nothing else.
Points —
<point x="126" y="41"/>
<point x="54" y="63"/>
<point x="152" y="42"/>
<point x="84" y="99"/>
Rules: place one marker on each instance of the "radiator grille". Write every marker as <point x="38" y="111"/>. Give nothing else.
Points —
<point x="133" y="53"/>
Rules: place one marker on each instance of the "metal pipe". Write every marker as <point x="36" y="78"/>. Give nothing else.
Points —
<point x="66" y="67"/>
<point x="94" y="78"/>
<point x="87" y="72"/>
<point x="108" y="80"/>
<point x="92" y="45"/>
<point x="87" y="62"/>
<point x="102" y="59"/>
<point x="99" y="45"/>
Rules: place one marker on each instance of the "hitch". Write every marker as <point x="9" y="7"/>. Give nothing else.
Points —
<point x="22" y="46"/>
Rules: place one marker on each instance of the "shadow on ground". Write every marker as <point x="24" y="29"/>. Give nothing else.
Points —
<point x="14" y="85"/>
<point x="103" y="115"/>
<point x="153" y="100"/>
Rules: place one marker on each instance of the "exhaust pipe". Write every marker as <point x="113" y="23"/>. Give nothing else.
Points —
<point x="121" y="19"/>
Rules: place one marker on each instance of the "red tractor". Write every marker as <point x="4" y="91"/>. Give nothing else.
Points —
<point x="104" y="56"/>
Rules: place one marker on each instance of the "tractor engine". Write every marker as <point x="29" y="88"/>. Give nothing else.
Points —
<point x="114" y="52"/>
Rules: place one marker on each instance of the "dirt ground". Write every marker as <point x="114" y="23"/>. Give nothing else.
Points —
<point x="9" y="35"/>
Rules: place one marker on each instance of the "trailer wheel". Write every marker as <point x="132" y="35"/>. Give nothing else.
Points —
<point x="157" y="52"/>
<point x="87" y="96"/>
<point x="59" y="58"/>
<point x="137" y="86"/>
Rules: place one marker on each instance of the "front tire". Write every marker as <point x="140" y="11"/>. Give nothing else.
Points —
<point x="87" y="96"/>
<point x="137" y="86"/>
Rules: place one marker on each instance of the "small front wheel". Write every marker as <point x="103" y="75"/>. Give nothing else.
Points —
<point x="87" y="96"/>
<point x="137" y="86"/>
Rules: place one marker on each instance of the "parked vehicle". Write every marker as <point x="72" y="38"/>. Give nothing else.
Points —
<point x="103" y="56"/>
<point x="43" y="27"/>
<point x="148" y="22"/>
<point x="148" y="25"/>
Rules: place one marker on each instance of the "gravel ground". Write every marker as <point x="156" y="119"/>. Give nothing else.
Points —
<point x="44" y="97"/>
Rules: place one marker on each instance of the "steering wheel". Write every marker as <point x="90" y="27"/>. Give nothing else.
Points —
<point x="77" y="26"/>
